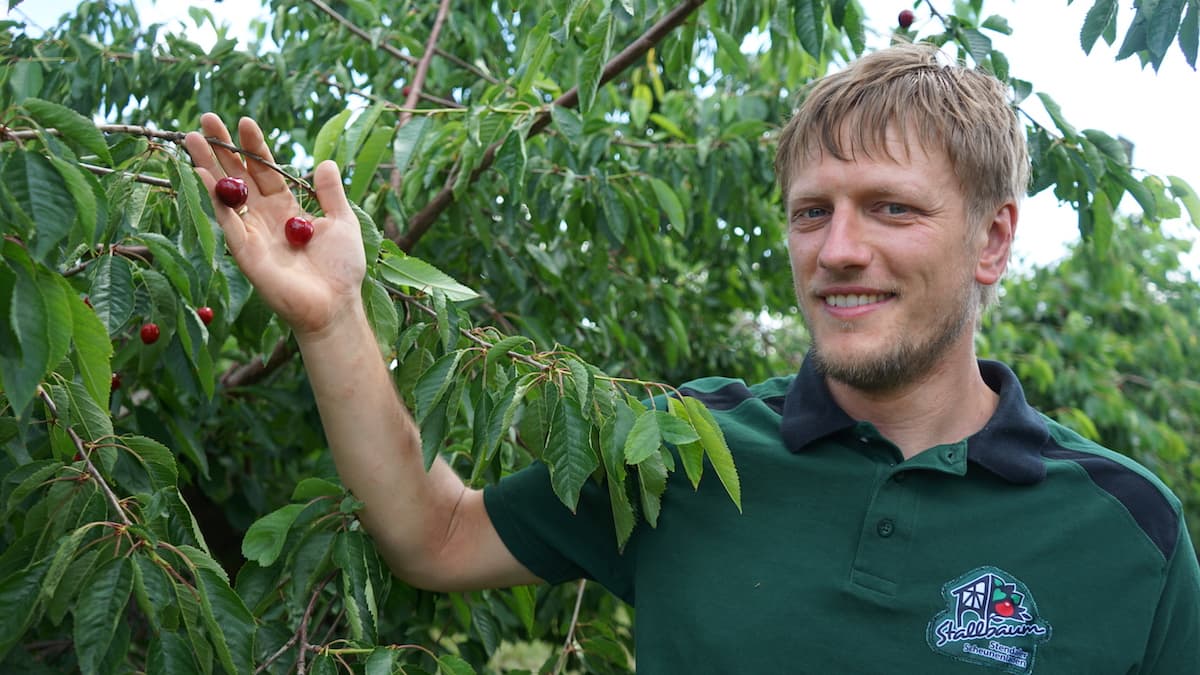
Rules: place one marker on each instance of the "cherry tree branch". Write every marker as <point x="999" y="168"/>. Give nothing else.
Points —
<point x="421" y="221"/>
<point x="569" y="644"/>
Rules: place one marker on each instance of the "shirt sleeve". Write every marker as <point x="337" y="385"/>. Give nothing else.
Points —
<point x="554" y="543"/>
<point x="1174" y="645"/>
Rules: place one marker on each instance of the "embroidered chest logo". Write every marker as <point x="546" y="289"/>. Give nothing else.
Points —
<point x="990" y="620"/>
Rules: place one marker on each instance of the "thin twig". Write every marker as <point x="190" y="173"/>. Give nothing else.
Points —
<point x="138" y="177"/>
<point x="303" y="631"/>
<point x="81" y="448"/>
<point x="568" y="645"/>
<point x="136" y="252"/>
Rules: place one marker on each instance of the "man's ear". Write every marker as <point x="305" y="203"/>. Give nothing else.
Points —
<point x="997" y="239"/>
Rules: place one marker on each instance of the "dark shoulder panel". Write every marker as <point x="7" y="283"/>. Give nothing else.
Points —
<point x="1144" y="499"/>
<point x="727" y="395"/>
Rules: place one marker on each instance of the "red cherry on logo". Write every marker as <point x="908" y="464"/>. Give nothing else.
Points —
<point x="149" y="333"/>
<point x="1005" y="608"/>
<point x="298" y="230"/>
<point x="232" y="191"/>
<point x="205" y="314"/>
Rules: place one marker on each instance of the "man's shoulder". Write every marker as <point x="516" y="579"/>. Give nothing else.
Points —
<point x="726" y="393"/>
<point x="1152" y="505"/>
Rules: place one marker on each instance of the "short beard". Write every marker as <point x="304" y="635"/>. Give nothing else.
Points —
<point x="908" y="361"/>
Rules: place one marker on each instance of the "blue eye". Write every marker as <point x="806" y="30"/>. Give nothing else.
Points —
<point x="897" y="209"/>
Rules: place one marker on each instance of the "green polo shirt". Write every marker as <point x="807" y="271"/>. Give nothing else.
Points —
<point x="1022" y="549"/>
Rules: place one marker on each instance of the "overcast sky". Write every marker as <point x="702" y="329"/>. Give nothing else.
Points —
<point x="1156" y="111"/>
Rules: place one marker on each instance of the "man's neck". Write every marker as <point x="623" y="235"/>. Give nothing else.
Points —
<point x="948" y="404"/>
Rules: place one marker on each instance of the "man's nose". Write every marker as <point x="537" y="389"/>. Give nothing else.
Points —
<point x="845" y="244"/>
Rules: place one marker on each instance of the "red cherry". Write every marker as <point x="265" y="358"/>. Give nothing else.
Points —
<point x="149" y="333"/>
<point x="232" y="191"/>
<point x="906" y="18"/>
<point x="405" y="90"/>
<point x="116" y="381"/>
<point x="87" y="301"/>
<point x="298" y="230"/>
<point x="205" y="314"/>
<point x="1005" y="608"/>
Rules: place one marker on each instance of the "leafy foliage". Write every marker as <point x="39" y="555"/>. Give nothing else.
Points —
<point x="552" y="196"/>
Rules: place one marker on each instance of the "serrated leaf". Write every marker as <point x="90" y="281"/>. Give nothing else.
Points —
<point x="191" y="211"/>
<point x="591" y="66"/>
<point x="368" y="160"/>
<point x="1184" y="192"/>
<point x="1162" y="27"/>
<point x="73" y="127"/>
<point x="1102" y="222"/>
<point x="81" y="193"/>
<point x="358" y="591"/>
<point x="170" y="654"/>
<point x="407" y="141"/>
<point x="170" y="262"/>
<point x="382" y="661"/>
<point x="652" y="482"/>
<point x="433" y="384"/>
<point x="1055" y="112"/>
<point x="64" y="554"/>
<point x="265" y="538"/>
<point x="809" y="17"/>
<point x="415" y="273"/>
<point x="569" y="454"/>
<point x="31" y="324"/>
<point x="381" y="314"/>
<point x="583" y="380"/>
<point x="89" y="419"/>
<point x="568" y="122"/>
<point x="28" y="477"/>
<point x="156" y="457"/>
<point x="311" y="488"/>
<point x="18" y="597"/>
<point x="1102" y="13"/>
<point x="112" y="293"/>
<point x="644" y="438"/>
<point x="230" y="625"/>
<point x="449" y="664"/>
<point x="691" y="453"/>
<point x="101" y="605"/>
<point x="669" y="202"/>
<point x="357" y="134"/>
<point x="1189" y="33"/>
<point x="501" y="349"/>
<point x="328" y="136"/>
<point x="93" y="350"/>
<point x="715" y="448"/>
<point x="978" y="44"/>
<point x="38" y="190"/>
<point x="613" y="434"/>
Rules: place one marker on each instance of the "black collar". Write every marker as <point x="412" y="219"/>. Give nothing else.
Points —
<point x="1009" y="445"/>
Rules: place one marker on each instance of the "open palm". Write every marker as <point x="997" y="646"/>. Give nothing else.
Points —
<point x="309" y="286"/>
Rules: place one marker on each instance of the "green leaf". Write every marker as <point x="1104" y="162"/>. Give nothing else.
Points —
<point x="591" y="66"/>
<point x="715" y="448"/>
<point x="1189" y="33"/>
<point x="1100" y="16"/>
<point x="93" y="350"/>
<point x="410" y="272"/>
<point x="568" y="122"/>
<point x="29" y="322"/>
<point x="170" y="654"/>
<point x="652" y="482"/>
<point x="569" y="454"/>
<point x="81" y="193"/>
<point x="501" y="349"/>
<point x="191" y="211"/>
<point x="357" y="134"/>
<point x="90" y="420"/>
<point x="170" y="262"/>
<point x="691" y="453"/>
<point x="112" y="292"/>
<point x="100" y="607"/>
<point x="328" y="136"/>
<point x="407" y="141"/>
<point x="64" y="554"/>
<point x="230" y="625"/>
<point x="311" y="488"/>
<point x="368" y="160"/>
<point x="613" y="434"/>
<point x="1183" y="192"/>
<point x="1162" y="27"/>
<point x="75" y="128"/>
<point x="1055" y="112"/>
<point x="669" y="202"/>
<point x="978" y="44"/>
<point x="1102" y="222"/>
<point x="449" y="664"/>
<point x="153" y="592"/>
<point x="38" y="191"/>
<point x="264" y="540"/>
<point x="19" y="598"/>
<point x="158" y="460"/>
<point x="809" y="17"/>
<point x="644" y="438"/>
<point x="668" y="125"/>
<point x="381" y="314"/>
<point x="358" y="592"/>
<point x="433" y="384"/>
<point x="382" y="661"/>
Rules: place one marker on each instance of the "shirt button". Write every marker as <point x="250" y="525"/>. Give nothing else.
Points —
<point x="885" y="527"/>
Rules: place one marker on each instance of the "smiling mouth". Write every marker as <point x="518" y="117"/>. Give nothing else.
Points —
<point x="855" y="300"/>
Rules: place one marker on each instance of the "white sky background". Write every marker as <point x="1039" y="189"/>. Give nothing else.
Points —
<point x="1156" y="111"/>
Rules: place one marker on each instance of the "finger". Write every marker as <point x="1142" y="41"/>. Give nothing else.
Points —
<point x="331" y="193"/>
<point x="269" y="182"/>
<point x="230" y="221"/>
<point x="230" y="163"/>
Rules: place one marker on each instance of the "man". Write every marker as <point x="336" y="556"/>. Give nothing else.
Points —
<point x="904" y="509"/>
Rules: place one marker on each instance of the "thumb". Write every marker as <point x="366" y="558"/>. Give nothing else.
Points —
<point x="331" y="193"/>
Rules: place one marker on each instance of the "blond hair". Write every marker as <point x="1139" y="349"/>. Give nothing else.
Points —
<point x="961" y="111"/>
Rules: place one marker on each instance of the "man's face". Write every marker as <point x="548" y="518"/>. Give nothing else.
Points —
<point x="883" y="265"/>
